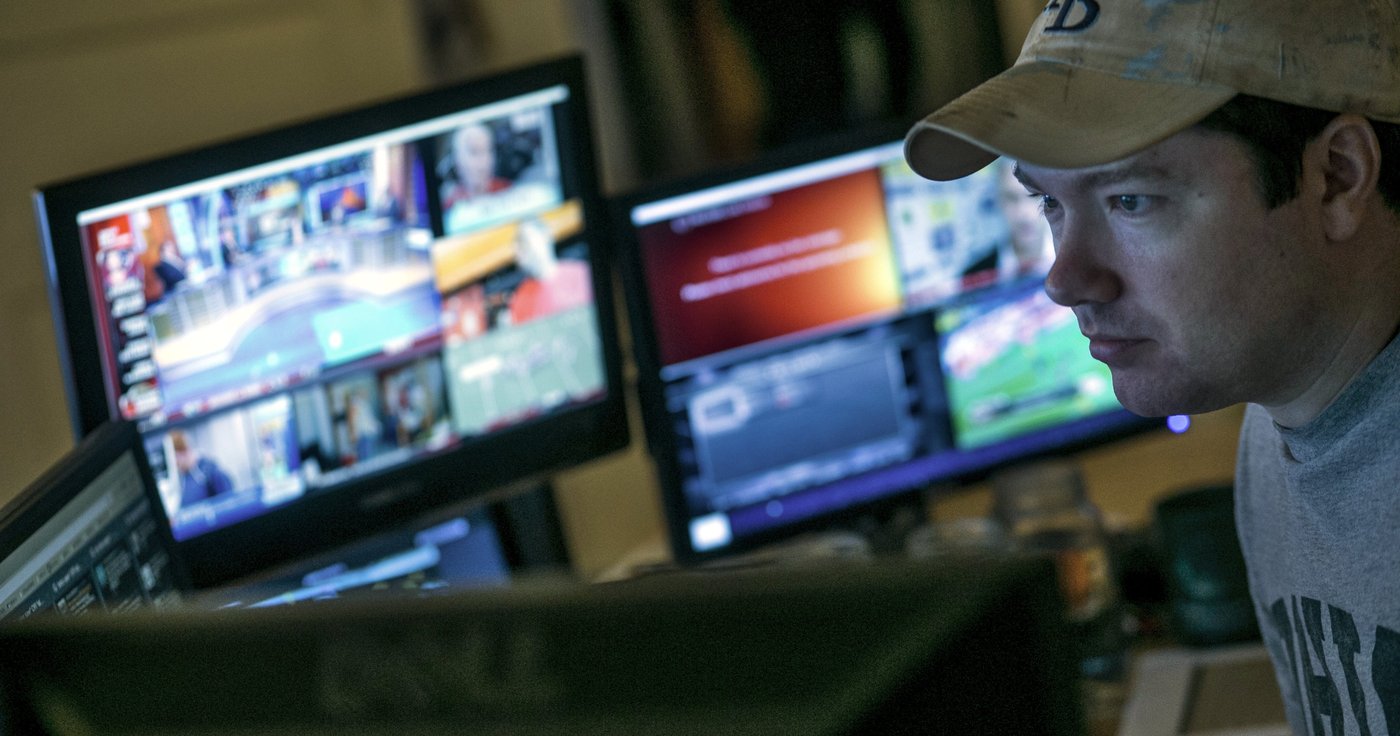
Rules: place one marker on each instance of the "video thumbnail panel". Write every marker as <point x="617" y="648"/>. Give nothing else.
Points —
<point x="238" y="464"/>
<point x="769" y="427"/>
<point x="1015" y="362"/>
<point x="954" y="236"/>
<point x="497" y="169"/>
<point x="222" y="292"/>
<point x="825" y="247"/>
<point x="776" y="264"/>
<point x="518" y="341"/>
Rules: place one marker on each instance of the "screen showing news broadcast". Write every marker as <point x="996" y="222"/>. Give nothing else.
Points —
<point x="833" y="333"/>
<point x="279" y="329"/>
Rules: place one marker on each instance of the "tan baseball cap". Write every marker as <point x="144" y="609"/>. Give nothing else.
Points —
<point x="1098" y="80"/>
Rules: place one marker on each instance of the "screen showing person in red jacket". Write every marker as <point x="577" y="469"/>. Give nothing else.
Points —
<point x="550" y="285"/>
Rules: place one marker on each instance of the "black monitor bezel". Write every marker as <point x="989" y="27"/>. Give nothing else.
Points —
<point x="661" y="443"/>
<point x="521" y="454"/>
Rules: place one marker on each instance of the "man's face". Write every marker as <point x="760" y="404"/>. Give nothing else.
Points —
<point x="1191" y="291"/>
<point x="184" y="459"/>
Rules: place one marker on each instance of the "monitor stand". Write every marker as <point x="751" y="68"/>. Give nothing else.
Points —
<point x="887" y="528"/>
<point x="878" y="532"/>
<point x="492" y="541"/>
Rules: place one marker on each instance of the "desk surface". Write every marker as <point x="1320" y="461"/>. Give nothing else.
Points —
<point x="1224" y="691"/>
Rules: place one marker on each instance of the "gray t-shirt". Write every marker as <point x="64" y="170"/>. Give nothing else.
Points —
<point x="1318" y="509"/>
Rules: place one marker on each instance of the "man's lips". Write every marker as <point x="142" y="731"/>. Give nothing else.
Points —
<point x="1110" y="349"/>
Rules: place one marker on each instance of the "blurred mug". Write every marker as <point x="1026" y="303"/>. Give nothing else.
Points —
<point x="1208" y="591"/>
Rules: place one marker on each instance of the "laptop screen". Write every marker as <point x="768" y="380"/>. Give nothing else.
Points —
<point x="87" y="535"/>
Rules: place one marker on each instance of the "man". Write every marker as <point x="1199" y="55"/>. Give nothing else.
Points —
<point x="1222" y="180"/>
<point x="170" y="268"/>
<point x="200" y="477"/>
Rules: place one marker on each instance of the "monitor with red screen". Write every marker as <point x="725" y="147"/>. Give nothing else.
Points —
<point x="824" y="332"/>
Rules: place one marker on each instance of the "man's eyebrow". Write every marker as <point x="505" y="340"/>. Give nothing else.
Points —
<point x="1023" y="177"/>
<point x="1105" y="177"/>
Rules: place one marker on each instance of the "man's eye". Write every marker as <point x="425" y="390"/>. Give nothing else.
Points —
<point x="1130" y="202"/>
<point x="1047" y="202"/>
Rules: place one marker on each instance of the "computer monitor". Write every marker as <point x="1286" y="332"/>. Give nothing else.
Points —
<point x="327" y="328"/>
<point x="88" y="534"/>
<point x="505" y="542"/>
<point x="819" y="649"/>
<point x="824" y="333"/>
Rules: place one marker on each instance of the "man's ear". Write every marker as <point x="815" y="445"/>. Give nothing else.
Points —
<point x="1347" y="155"/>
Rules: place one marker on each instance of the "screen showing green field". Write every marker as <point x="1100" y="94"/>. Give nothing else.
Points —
<point x="1013" y="362"/>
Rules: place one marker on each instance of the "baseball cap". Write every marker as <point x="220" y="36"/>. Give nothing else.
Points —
<point x="1098" y="80"/>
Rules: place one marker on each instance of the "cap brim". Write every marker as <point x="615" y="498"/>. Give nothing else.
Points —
<point x="1055" y="116"/>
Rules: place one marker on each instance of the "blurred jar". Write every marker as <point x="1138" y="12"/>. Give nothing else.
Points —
<point x="1044" y="509"/>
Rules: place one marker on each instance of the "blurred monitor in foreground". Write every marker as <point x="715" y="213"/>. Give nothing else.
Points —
<point x="865" y="649"/>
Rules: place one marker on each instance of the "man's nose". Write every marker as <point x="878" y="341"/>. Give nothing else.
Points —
<point x="1082" y="271"/>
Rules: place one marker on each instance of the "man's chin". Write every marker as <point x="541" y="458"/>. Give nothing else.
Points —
<point x="1144" y="410"/>
<point x="1157" y="399"/>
